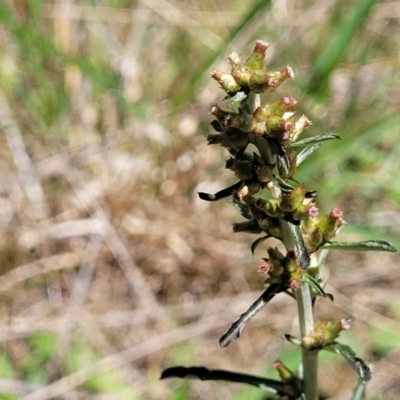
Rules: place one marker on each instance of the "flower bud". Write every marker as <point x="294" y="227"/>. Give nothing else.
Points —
<point x="280" y="127"/>
<point x="247" y="190"/>
<point x="331" y="223"/>
<point x="294" y="284"/>
<point x="291" y="263"/>
<point x="240" y="72"/>
<point x="325" y="332"/>
<point x="313" y="239"/>
<point x="260" y="81"/>
<point x="284" y="372"/>
<point x="242" y="168"/>
<point x="290" y="200"/>
<point x="305" y="211"/>
<point x="231" y="140"/>
<point x="226" y="81"/>
<point x="264" y="172"/>
<point x="302" y="123"/>
<point x="270" y="207"/>
<point x="275" y="254"/>
<point x="265" y="266"/>
<point x="257" y="58"/>
<point x="284" y="105"/>
<point x="271" y="226"/>
<point x="244" y="122"/>
<point x="257" y="214"/>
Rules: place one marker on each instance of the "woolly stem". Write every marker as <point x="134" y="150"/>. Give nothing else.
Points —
<point x="303" y="294"/>
<point x="306" y="322"/>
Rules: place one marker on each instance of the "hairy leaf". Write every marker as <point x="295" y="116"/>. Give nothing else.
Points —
<point x="314" y="284"/>
<point x="367" y="245"/>
<point x="306" y="152"/>
<point x="358" y="364"/>
<point x="234" y="331"/>
<point x="316" y="139"/>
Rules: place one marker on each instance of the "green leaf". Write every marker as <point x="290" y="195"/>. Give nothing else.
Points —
<point x="255" y="244"/>
<point x="306" y="152"/>
<point x="359" y="391"/>
<point x="316" y="139"/>
<point x="205" y="374"/>
<point x="283" y="184"/>
<point x="358" y="364"/>
<point x="235" y="102"/>
<point x="235" y="329"/>
<point x="314" y="284"/>
<point x="367" y="245"/>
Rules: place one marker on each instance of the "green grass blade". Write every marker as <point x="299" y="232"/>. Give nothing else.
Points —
<point x="331" y="55"/>
<point x="192" y="85"/>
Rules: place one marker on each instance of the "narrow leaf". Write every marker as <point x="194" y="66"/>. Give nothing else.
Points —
<point x="255" y="244"/>
<point x="234" y="331"/>
<point x="358" y="364"/>
<point x="367" y="245"/>
<point x="306" y="152"/>
<point x="316" y="139"/>
<point x="221" y="194"/>
<point x="235" y="101"/>
<point x="359" y="391"/>
<point x="314" y="284"/>
<point x="283" y="184"/>
<point x="205" y="374"/>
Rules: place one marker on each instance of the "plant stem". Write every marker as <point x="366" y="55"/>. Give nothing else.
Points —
<point x="306" y="322"/>
<point x="303" y="294"/>
<point x="309" y="357"/>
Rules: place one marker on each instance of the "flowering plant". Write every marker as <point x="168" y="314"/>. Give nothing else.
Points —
<point x="276" y="205"/>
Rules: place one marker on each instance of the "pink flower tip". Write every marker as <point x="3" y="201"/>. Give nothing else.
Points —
<point x="272" y="82"/>
<point x="345" y="324"/>
<point x="336" y="213"/>
<point x="294" y="284"/>
<point x="313" y="210"/>
<point x="215" y="73"/>
<point x="234" y="59"/>
<point x="264" y="267"/>
<point x="261" y="46"/>
<point x="286" y="135"/>
<point x="288" y="72"/>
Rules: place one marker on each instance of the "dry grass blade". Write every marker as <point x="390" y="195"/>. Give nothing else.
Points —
<point x="40" y="267"/>
<point x="164" y="8"/>
<point x="28" y="178"/>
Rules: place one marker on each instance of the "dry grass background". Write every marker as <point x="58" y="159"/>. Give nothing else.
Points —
<point x="111" y="268"/>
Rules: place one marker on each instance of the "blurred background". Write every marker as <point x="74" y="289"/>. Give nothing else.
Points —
<point x="111" y="268"/>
